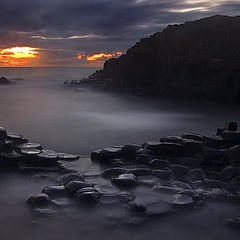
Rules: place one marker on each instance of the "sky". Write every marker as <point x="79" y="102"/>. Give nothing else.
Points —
<point x="75" y="33"/>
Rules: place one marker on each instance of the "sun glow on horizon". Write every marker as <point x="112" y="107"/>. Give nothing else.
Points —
<point x="17" y="55"/>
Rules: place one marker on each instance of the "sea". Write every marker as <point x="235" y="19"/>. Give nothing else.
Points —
<point x="76" y="120"/>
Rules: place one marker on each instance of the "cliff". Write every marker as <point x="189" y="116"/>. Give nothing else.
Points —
<point x="194" y="60"/>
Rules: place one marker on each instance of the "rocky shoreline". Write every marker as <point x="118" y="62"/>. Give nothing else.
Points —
<point x="178" y="173"/>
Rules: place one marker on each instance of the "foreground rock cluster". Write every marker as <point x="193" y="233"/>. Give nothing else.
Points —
<point x="177" y="172"/>
<point x="17" y="152"/>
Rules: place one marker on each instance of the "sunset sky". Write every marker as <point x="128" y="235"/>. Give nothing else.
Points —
<point x="70" y="32"/>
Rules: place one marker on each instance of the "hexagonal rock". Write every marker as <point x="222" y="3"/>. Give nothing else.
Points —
<point x="30" y="145"/>
<point x="182" y="200"/>
<point x="154" y="146"/>
<point x="167" y="189"/>
<point x="144" y="151"/>
<point x="88" y="197"/>
<point x="70" y="177"/>
<point x="159" y="163"/>
<point x="233" y="136"/>
<point x="170" y="149"/>
<point x="47" y="157"/>
<point x="125" y="180"/>
<point x="216" y="156"/>
<point x="55" y="191"/>
<point x="16" y="138"/>
<point x="73" y="186"/>
<point x="194" y="136"/>
<point x="196" y="174"/>
<point x="179" y="170"/>
<point x="67" y="156"/>
<point x="192" y="147"/>
<point x="39" y="200"/>
<point x="230" y="172"/>
<point x="113" y="172"/>
<point x="165" y="174"/>
<point x="144" y="158"/>
<point x="233" y="155"/>
<point x="130" y="149"/>
<point x="171" y="139"/>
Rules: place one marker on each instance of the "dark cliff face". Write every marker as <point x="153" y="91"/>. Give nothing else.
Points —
<point x="199" y="59"/>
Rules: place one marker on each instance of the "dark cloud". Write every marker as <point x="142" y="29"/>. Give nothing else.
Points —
<point x="90" y="26"/>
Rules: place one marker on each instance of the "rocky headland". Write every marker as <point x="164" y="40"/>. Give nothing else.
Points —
<point x="194" y="60"/>
<point x="178" y="172"/>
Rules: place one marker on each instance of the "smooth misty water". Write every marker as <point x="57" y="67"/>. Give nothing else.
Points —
<point x="77" y="121"/>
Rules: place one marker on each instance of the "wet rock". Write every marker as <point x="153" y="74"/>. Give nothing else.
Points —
<point x="195" y="174"/>
<point x="180" y="184"/>
<point x="96" y="155"/>
<point x="125" y="180"/>
<point x="47" y="154"/>
<point x="192" y="147"/>
<point x="214" y="193"/>
<point x="230" y="172"/>
<point x="64" y="179"/>
<point x="179" y="170"/>
<point x="233" y="136"/>
<point x="154" y="146"/>
<point x="159" y="163"/>
<point x="39" y="200"/>
<point x="55" y="191"/>
<point x="3" y="133"/>
<point x="30" y="145"/>
<point x="170" y="149"/>
<point x="16" y="138"/>
<point x="140" y="171"/>
<point x="166" y="174"/>
<point x="144" y="151"/>
<point x="67" y="157"/>
<point x="180" y="200"/>
<point x="194" y="136"/>
<point x="166" y="189"/>
<point x="28" y="153"/>
<point x="113" y="172"/>
<point x="235" y="182"/>
<point x="130" y="149"/>
<point x="117" y="162"/>
<point x="214" y="156"/>
<point x="114" y="152"/>
<point x="233" y="155"/>
<point x="171" y="139"/>
<point x="85" y="189"/>
<point x="191" y="162"/>
<point x="192" y="193"/>
<point x="213" y="141"/>
<point x="88" y="197"/>
<point x="144" y="158"/>
<point x="73" y="186"/>
<point x="6" y="146"/>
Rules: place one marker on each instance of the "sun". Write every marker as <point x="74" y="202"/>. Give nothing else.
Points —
<point x="17" y="55"/>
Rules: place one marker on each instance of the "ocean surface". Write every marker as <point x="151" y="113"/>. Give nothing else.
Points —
<point x="41" y="108"/>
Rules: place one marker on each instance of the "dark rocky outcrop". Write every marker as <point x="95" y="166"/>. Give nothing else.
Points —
<point x="194" y="60"/>
<point x="4" y="80"/>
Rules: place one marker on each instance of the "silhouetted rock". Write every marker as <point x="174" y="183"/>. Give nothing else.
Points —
<point x="4" y="80"/>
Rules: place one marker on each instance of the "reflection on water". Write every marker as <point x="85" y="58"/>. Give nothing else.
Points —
<point x="73" y="121"/>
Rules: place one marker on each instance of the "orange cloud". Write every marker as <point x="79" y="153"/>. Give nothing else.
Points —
<point x="17" y="55"/>
<point x="98" y="56"/>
